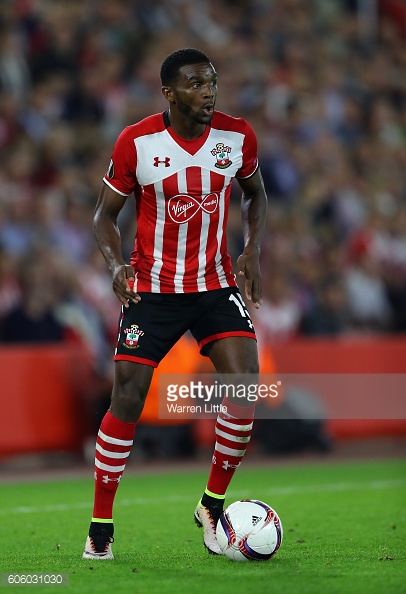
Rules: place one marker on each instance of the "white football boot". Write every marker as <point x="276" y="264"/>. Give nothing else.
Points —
<point x="207" y="519"/>
<point x="98" y="545"/>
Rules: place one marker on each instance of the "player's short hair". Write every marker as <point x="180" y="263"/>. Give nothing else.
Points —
<point x="174" y="62"/>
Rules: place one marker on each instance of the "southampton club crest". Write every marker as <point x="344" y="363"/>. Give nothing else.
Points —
<point x="132" y="336"/>
<point x="222" y="152"/>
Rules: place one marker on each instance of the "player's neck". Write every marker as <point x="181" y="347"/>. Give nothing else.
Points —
<point x="186" y="128"/>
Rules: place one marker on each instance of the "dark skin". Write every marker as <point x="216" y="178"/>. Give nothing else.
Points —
<point x="191" y="101"/>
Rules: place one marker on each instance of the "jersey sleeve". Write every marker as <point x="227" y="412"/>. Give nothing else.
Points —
<point x="121" y="174"/>
<point x="249" y="154"/>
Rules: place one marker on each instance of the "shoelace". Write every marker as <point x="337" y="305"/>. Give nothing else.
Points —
<point x="109" y="540"/>
<point x="213" y="525"/>
<point x="211" y="518"/>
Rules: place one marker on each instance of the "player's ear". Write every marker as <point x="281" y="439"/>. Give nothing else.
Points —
<point x="168" y="94"/>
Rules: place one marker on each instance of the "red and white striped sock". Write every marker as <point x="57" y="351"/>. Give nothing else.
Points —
<point x="233" y="433"/>
<point x="113" y="446"/>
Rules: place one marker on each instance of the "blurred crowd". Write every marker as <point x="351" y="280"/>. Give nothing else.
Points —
<point x="323" y="86"/>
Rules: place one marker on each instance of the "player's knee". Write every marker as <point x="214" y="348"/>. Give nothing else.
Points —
<point x="128" y="398"/>
<point x="248" y="365"/>
<point x="127" y="405"/>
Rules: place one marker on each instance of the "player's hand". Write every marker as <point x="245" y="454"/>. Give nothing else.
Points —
<point x="248" y="266"/>
<point x="123" y="282"/>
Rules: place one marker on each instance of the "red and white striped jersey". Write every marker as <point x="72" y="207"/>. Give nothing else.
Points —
<point x="182" y="192"/>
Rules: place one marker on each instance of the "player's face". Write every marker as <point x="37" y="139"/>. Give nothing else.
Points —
<point x="194" y="92"/>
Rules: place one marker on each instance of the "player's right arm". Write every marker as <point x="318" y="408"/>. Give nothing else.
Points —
<point x="108" y="239"/>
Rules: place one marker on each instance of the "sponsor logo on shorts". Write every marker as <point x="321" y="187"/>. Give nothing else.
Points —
<point x="132" y="336"/>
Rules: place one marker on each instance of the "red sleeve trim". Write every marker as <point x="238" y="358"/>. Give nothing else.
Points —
<point x="110" y="185"/>
<point x="250" y="175"/>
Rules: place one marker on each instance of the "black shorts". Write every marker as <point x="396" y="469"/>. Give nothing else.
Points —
<point x="149" y="329"/>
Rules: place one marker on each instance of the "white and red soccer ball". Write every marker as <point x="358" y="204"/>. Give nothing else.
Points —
<point x="249" y="530"/>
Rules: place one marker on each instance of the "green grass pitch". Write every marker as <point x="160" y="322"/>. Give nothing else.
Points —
<point x="344" y="532"/>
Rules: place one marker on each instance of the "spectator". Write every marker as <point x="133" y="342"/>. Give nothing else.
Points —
<point x="328" y="108"/>
<point x="279" y="316"/>
<point x="32" y="320"/>
<point x="329" y="315"/>
<point x="10" y="294"/>
<point x="368" y="302"/>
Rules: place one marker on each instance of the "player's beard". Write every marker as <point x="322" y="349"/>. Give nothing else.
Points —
<point x="196" y="117"/>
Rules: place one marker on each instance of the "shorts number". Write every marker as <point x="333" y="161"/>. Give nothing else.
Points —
<point x="240" y="304"/>
<point x="238" y="300"/>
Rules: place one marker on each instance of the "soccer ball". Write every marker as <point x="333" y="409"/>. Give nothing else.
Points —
<point x="249" y="530"/>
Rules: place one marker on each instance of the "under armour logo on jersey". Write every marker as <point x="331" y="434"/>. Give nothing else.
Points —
<point x="158" y="161"/>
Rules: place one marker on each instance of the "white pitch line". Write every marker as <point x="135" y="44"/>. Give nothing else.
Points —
<point x="237" y="494"/>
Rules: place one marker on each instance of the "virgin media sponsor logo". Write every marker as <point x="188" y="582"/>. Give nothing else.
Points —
<point x="182" y="208"/>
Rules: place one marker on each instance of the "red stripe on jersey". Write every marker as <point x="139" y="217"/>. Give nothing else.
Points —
<point x="192" y="248"/>
<point x="218" y="260"/>
<point x="141" y="257"/>
<point x="212" y="281"/>
<point x="170" y="237"/>
<point x="226" y="260"/>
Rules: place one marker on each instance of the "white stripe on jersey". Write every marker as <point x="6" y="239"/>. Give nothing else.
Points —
<point x="158" y="238"/>
<point x="182" y="239"/>
<point x="220" y="234"/>
<point x="204" y="234"/>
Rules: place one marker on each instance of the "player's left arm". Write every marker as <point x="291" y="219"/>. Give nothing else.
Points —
<point x="254" y="204"/>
